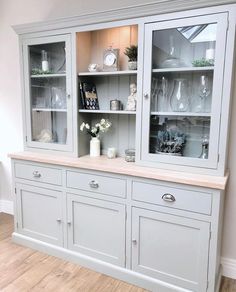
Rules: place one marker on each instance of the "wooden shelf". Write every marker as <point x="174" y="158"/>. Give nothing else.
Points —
<point x="183" y="69"/>
<point x="108" y="112"/>
<point x="49" y="110"/>
<point x="182" y="114"/>
<point x="108" y="73"/>
<point x="48" y="75"/>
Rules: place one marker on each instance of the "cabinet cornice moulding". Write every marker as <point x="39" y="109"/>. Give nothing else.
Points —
<point x="148" y="9"/>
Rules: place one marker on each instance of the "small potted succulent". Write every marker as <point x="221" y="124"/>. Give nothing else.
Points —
<point x="132" y="53"/>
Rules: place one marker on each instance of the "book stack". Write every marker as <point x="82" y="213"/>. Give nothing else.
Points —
<point x="88" y="95"/>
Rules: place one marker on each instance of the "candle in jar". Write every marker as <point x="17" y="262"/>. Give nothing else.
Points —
<point x="111" y="152"/>
<point x="210" y="54"/>
<point x="44" y="57"/>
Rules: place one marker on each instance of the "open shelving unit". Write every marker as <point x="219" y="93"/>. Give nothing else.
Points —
<point x="110" y="85"/>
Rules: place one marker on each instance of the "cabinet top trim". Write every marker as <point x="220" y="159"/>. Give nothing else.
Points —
<point x="137" y="11"/>
<point x="120" y="166"/>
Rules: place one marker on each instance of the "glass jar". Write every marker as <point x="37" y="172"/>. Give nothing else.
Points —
<point x="205" y="147"/>
<point x="130" y="155"/>
<point x="179" y="100"/>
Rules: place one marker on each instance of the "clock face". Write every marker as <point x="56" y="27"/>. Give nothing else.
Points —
<point x="110" y="59"/>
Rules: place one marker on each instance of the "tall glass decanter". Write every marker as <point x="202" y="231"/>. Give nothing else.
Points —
<point x="179" y="100"/>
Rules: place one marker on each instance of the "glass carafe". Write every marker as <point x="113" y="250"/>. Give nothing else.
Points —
<point x="179" y="100"/>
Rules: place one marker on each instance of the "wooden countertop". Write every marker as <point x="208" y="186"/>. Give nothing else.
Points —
<point x="120" y="166"/>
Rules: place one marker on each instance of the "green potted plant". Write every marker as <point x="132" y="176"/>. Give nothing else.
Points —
<point x="132" y="53"/>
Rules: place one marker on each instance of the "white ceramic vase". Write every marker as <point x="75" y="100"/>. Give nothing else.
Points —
<point x="132" y="65"/>
<point x="94" y="147"/>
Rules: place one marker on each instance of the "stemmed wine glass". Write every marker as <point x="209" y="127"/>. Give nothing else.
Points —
<point x="203" y="92"/>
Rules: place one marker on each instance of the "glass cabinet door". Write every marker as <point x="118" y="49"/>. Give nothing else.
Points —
<point x="183" y="77"/>
<point x="48" y="92"/>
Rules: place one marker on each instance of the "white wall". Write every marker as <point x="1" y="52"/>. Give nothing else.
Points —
<point x="17" y="12"/>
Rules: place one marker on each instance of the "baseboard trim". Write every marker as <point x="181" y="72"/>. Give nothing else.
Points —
<point x="6" y="207"/>
<point x="228" y="267"/>
<point x="97" y="265"/>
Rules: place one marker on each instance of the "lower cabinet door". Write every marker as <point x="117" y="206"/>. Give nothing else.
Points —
<point x="40" y="213"/>
<point x="96" y="228"/>
<point x="170" y="248"/>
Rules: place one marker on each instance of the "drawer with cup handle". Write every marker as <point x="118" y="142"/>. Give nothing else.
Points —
<point x="173" y="197"/>
<point x="38" y="173"/>
<point x="106" y="185"/>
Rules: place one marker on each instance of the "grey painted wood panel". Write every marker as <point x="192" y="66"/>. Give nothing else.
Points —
<point x="97" y="228"/>
<point x="170" y="248"/>
<point x="96" y="183"/>
<point x="38" y="173"/>
<point x="40" y="213"/>
<point x="189" y="200"/>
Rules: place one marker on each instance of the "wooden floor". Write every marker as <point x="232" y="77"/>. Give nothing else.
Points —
<point x="23" y="269"/>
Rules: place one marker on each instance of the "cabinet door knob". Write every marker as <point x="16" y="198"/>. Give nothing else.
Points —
<point x="93" y="184"/>
<point x="134" y="241"/>
<point x="68" y="96"/>
<point x="58" y="220"/>
<point x="69" y="223"/>
<point x="168" y="198"/>
<point x="146" y="95"/>
<point x="36" y="174"/>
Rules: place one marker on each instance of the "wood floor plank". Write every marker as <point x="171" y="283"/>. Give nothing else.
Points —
<point x="25" y="270"/>
<point x="228" y="285"/>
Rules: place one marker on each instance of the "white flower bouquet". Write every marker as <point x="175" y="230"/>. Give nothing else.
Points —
<point x="103" y="126"/>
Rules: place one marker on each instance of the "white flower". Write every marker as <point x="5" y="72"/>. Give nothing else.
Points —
<point x="82" y="126"/>
<point x="97" y="125"/>
<point x="103" y="121"/>
<point x="87" y="126"/>
<point x="94" y="130"/>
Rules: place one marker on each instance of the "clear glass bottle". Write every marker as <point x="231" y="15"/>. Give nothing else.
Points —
<point x="44" y="59"/>
<point x="205" y="147"/>
<point x="179" y="100"/>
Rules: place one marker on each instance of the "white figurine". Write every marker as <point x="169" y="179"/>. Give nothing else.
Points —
<point x="132" y="99"/>
<point x="45" y="136"/>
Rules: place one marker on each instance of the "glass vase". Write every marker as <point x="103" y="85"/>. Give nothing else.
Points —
<point x="179" y="100"/>
<point x="94" y="147"/>
<point x="205" y="147"/>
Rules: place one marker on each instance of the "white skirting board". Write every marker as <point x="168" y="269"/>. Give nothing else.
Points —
<point x="228" y="265"/>
<point x="6" y="207"/>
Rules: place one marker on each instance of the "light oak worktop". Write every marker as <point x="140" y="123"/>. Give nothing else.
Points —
<point x="120" y="166"/>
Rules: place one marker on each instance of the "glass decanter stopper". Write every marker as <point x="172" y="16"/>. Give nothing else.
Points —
<point x="205" y="147"/>
<point x="179" y="100"/>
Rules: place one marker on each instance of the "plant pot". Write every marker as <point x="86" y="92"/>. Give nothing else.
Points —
<point x="132" y="65"/>
<point x="94" y="147"/>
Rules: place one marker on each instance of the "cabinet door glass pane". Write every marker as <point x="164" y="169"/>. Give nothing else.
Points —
<point x="48" y="93"/>
<point x="181" y="90"/>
